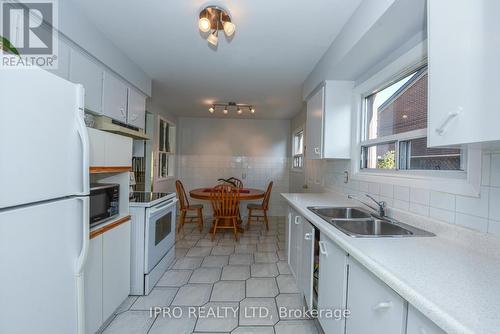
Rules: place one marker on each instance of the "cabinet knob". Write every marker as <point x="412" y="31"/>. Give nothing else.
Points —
<point x="297" y="220"/>
<point x="308" y="236"/>
<point x="134" y="117"/>
<point x="317" y="151"/>
<point x="122" y="111"/>
<point x="444" y="126"/>
<point x="382" y="306"/>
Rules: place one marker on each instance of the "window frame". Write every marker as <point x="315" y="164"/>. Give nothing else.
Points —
<point x="302" y="155"/>
<point x="465" y="182"/>
<point x="171" y="140"/>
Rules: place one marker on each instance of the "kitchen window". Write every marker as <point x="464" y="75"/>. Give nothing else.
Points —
<point x="394" y="129"/>
<point x="298" y="150"/>
<point x="166" y="149"/>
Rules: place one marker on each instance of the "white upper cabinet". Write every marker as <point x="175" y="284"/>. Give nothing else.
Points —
<point x="374" y="307"/>
<point x="464" y="49"/>
<point x="136" y="115"/>
<point x="328" y="125"/>
<point x="114" y="102"/>
<point x="88" y="73"/>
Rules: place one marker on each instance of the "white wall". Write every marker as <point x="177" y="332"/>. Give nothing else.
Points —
<point x="377" y="32"/>
<point x="255" y="151"/>
<point x="75" y="26"/>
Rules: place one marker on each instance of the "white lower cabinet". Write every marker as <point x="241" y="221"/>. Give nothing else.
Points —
<point x="332" y="283"/>
<point x="305" y="277"/>
<point x="115" y="268"/>
<point x="295" y="244"/>
<point x="93" y="286"/>
<point x="107" y="275"/>
<point x="417" y="323"/>
<point x="374" y="307"/>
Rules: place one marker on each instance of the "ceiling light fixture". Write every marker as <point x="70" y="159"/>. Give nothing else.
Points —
<point x="231" y="106"/>
<point x="213" y="18"/>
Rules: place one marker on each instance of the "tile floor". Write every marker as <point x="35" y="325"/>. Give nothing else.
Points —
<point x="235" y="278"/>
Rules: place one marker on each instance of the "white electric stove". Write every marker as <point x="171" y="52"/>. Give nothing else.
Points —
<point x="153" y="238"/>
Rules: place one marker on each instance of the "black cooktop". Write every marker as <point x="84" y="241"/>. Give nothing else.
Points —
<point x="146" y="197"/>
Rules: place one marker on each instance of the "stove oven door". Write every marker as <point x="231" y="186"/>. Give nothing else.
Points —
<point x="160" y="232"/>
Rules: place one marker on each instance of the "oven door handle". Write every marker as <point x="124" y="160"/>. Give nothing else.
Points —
<point x="162" y="207"/>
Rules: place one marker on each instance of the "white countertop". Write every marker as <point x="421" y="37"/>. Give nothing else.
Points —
<point x="455" y="285"/>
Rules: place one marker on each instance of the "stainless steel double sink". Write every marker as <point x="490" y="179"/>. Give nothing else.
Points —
<point x="356" y="222"/>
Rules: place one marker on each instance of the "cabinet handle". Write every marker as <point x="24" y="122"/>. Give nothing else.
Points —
<point x="122" y="111"/>
<point x="451" y="115"/>
<point x="134" y="117"/>
<point x="382" y="306"/>
<point x="322" y="248"/>
<point x="308" y="236"/>
<point x="297" y="220"/>
<point x="317" y="151"/>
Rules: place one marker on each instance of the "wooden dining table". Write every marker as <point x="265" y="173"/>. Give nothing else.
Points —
<point x="246" y="194"/>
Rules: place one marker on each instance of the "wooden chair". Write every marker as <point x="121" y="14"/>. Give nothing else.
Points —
<point x="225" y="202"/>
<point x="263" y="207"/>
<point x="185" y="208"/>
<point x="237" y="182"/>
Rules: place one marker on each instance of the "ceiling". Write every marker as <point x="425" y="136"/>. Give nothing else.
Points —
<point x="276" y="45"/>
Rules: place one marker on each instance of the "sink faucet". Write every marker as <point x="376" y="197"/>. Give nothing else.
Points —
<point x="380" y="205"/>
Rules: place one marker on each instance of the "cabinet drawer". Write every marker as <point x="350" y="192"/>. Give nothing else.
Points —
<point x="374" y="307"/>
<point x="419" y="324"/>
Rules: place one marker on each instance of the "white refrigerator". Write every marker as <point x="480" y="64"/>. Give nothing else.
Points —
<point x="44" y="203"/>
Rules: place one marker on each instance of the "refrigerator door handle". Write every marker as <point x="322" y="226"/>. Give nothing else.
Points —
<point x="80" y="265"/>
<point x="84" y="137"/>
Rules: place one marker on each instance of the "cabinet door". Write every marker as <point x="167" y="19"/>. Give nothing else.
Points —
<point x="85" y="71"/>
<point x="374" y="307"/>
<point x="114" y="98"/>
<point x="464" y="49"/>
<point x="136" y="113"/>
<point x="116" y="268"/>
<point x="419" y="324"/>
<point x="314" y="125"/>
<point x="332" y="285"/>
<point x="93" y="286"/>
<point x="307" y="263"/>
<point x="295" y="243"/>
<point x="118" y="150"/>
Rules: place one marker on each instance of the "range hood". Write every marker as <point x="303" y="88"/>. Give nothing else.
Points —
<point x="107" y="124"/>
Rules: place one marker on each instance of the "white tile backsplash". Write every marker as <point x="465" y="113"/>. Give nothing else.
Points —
<point x="199" y="171"/>
<point x="442" y="200"/>
<point x="477" y="213"/>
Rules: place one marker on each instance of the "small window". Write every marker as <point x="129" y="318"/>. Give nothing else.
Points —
<point x="395" y="129"/>
<point x="166" y="145"/>
<point x="298" y="150"/>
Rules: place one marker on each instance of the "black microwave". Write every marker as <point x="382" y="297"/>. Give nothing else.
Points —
<point x="104" y="202"/>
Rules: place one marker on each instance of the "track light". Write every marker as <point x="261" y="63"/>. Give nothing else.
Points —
<point x="252" y="110"/>
<point x="204" y="24"/>
<point x="229" y="28"/>
<point x="225" y="111"/>
<point x="227" y="107"/>
<point x="240" y="111"/>
<point x="213" y="18"/>
<point x="213" y="39"/>
<point x="211" y="109"/>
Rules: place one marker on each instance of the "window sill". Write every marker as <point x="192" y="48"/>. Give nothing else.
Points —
<point x="165" y="179"/>
<point x="297" y="170"/>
